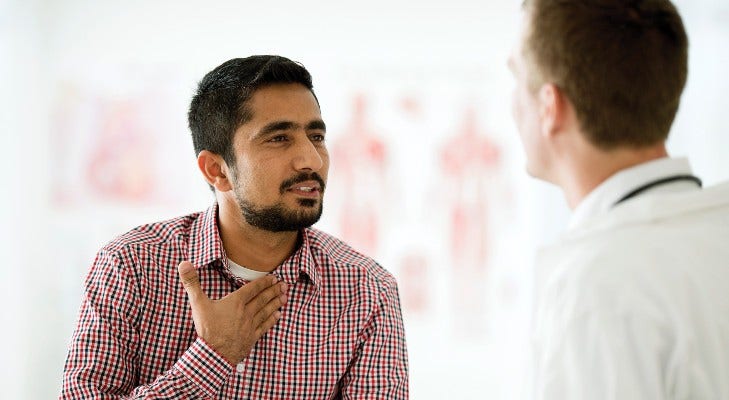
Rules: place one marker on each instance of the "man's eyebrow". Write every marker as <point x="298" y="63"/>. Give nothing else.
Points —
<point x="318" y="124"/>
<point x="276" y="126"/>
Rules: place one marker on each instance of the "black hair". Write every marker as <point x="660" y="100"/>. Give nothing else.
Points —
<point x="219" y="106"/>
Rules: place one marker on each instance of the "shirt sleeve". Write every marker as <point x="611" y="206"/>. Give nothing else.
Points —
<point x="102" y="361"/>
<point x="601" y="354"/>
<point x="380" y="367"/>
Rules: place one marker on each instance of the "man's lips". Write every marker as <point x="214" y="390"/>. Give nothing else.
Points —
<point x="306" y="189"/>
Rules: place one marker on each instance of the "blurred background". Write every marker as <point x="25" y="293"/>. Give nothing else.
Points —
<point x="427" y="172"/>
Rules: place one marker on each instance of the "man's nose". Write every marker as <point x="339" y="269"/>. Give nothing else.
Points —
<point x="307" y="156"/>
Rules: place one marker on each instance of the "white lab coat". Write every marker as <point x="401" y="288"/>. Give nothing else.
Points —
<point x="634" y="303"/>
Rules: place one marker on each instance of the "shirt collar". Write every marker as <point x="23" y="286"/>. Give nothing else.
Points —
<point x="604" y="197"/>
<point x="300" y="263"/>
<point x="205" y="246"/>
<point x="206" y="249"/>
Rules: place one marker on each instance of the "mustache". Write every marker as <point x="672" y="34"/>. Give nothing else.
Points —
<point x="303" y="177"/>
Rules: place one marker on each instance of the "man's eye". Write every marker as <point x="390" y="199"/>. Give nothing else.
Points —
<point x="279" y="138"/>
<point x="317" y="138"/>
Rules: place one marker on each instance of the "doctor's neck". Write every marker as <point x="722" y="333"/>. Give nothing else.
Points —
<point x="586" y="167"/>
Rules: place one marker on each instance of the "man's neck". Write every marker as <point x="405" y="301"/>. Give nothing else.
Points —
<point x="591" y="167"/>
<point x="249" y="246"/>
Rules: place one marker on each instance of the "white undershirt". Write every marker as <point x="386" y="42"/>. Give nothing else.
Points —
<point x="243" y="272"/>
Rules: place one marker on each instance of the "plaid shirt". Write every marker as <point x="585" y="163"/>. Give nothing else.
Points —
<point x="340" y="336"/>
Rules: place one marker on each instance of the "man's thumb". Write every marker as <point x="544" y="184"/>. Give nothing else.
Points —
<point x="191" y="281"/>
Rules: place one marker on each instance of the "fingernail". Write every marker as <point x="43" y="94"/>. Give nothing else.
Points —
<point x="277" y="314"/>
<point x="283" y="299"/>
<point x="284" y="287"/>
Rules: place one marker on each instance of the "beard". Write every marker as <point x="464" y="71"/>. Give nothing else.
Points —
<point x="279" y="218"/>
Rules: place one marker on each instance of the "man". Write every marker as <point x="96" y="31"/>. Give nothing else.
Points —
<point x="270" y="308"/>
<point x="633" y="302"/>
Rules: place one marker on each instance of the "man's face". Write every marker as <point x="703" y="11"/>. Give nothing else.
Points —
<point x="282" y="161"/>
<point x="525" y="104"/>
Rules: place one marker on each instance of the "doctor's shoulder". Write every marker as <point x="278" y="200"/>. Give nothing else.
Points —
<point x="616" y="270"/>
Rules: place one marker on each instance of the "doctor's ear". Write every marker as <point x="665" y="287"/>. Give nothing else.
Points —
<point x="214" y="170"/>
<point x="553" y="107"/>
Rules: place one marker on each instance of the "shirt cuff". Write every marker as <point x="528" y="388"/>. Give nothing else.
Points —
<point x="205" y="367"/>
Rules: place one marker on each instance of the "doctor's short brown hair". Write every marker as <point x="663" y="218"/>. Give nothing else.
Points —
<point x="621" y="63"/>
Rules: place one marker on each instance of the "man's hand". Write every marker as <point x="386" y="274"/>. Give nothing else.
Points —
<point x="233" y="324"/>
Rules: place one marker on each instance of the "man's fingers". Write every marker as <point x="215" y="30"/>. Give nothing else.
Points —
<point x="266" y="325"/>
<point x="260" y="302"/>
<point x="272" y="307"/>
<point x="191" y="281"/>
<point x="255" y="287"/>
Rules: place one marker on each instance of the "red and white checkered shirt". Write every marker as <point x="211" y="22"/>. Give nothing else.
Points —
<point x="340" y="336"/>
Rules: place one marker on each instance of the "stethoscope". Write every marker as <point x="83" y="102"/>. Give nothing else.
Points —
<point x="658" y="182"/>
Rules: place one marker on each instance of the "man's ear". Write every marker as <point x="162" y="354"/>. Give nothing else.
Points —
<point x="552" y="109"/>
<point x="214" y="170"/>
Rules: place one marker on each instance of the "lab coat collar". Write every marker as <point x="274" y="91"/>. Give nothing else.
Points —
<point x="604" y="197"/>
<point x="647" y="209"/>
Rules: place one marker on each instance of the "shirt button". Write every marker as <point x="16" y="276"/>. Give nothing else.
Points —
<point x="240" y="367"/>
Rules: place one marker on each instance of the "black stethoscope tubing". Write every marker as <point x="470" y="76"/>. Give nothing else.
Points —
<point x="658" y="182"/>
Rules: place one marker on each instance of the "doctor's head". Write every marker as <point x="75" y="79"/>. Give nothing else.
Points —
<point x="259" y="138"/>
<point x="611" y="71"/>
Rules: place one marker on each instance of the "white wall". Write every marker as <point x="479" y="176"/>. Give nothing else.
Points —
<point x="73" y="70"/>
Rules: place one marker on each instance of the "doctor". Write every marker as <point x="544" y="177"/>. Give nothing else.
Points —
<point x="633" y="302"/>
